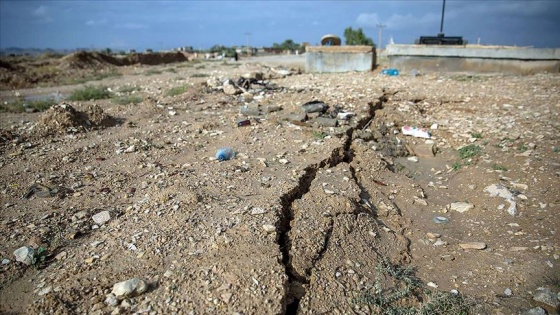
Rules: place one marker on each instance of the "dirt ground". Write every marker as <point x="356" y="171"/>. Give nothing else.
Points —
<point x="315" y="214"/>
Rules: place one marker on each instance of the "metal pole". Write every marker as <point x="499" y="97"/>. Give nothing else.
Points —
<point x="442" y="14"/>
<point x="248" y="35"/>
<point x="380" y="26"/>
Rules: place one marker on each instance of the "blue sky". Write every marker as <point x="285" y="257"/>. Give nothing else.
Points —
<point x="167" y="24"/>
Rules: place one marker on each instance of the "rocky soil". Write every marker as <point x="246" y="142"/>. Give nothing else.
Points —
<point x="111" y="209"/>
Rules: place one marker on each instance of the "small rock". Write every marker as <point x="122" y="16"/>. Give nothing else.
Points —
<point x="129" y="288"/>
<point x="534" y="311"/>
<point x="269" y="228"/>
<point x="45" y="291"/>
<point x="440" y="243"/>
<point x="433" y="235"/>
<point x="473" y="245"/>
<point x="329" y="192"/>
<point x="24" y="255"/>
<point x="413" y="159"/>
<point x="226" y="297"/>
<point x="168" y="274"/>
<point x="102" y="217"/>
<point x="547" y="297"/>
<point x="230" y="89"/>
<point x="508" y="292"/>
<point x="461" y="206"/>
<point x="257" y="211"/>
<point x="111" y="300"/>
<point x="433" y="285"/>
<point x="284" y="161"/>
<point x="130" y="149"/>
<point x="5" y="261"/>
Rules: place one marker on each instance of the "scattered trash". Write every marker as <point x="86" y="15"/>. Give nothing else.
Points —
<point x="245" y="122"/>
<point x="416" y="132"/>
<point x="225" y="154"/>
<point x="314" y="107"/>
<point x="345" y="115"/>
<point x="441" y="220"/>
<point x="497" y="190"/>
<point x="390" y="72"/>
<point x="40" y="190"/>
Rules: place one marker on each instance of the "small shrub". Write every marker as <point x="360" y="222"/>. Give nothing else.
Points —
<point x="39" y="257"/>
<point x="20" y="106"/>
<point x="128" y="89"/>
<point x="476" y="135"/>
<point x="90" y="93"/>
<point x="152" y="72"/>
<point x="319" y="135"/>
<point x="498" y="167"/>
<point x="522" y="147"/>
<point x="172" y="70"/>
<point x="199" y="75"/>
<point x="556" y="150"/>
<point x="177" y="90"/>
<point x="456" y="166"/>
<point x="470" y="151"/>
<point x="124" y="100"/>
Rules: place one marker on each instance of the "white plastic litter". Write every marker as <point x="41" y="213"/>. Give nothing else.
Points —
<point x="416" y="132"/>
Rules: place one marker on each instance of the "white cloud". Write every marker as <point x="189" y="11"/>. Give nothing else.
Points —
<point x="367" y="19"/>
<point x="410" y="22"/>
<point x="131" y="26"/>
<point x="96" y="22"/>
<point x="42" y="12"/>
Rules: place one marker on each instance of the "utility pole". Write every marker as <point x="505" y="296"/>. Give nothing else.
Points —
<point x="248" y="35"/>
<point x="380" y="27"/>
<point x="441" y="25"/>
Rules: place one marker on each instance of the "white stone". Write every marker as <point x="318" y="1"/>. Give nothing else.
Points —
<point x="101" y="217"/>
<point x="129" y="288"/>
<point x="473" y="245"/>
<point x="130" y="149"/>
<point x="111" y="300"/>
<point x="461" y="206"/>
<point x="413" y="159"/>
<point x="258" y="210"/>
<point x="24" y="255"/>
<point x="269" y="228"/>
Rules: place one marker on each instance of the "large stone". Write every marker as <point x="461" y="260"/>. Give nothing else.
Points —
<point x="547" y="297"/>
<point x="461" y="206"/>
<point x="25" y="254"/>
<point x="473" y="245"/>
<point x="102" y="217"/>
<point x="129" y="288"/>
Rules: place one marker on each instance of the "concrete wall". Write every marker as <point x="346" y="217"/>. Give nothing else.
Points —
<point x="484" y="59"/>
<point x="339" y="58"/>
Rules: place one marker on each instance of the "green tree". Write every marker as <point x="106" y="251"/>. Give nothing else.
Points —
<point x="357" y="37"/>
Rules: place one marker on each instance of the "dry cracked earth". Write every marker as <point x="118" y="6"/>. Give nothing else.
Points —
<point x="313" y="215"/>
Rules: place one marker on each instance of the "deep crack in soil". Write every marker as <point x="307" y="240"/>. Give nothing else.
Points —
<point x="295" y="289"/>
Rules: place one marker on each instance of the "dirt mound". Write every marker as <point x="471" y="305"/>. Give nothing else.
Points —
<point x="96" y="60"/>
<point x="88" y="60"/>
<point x="66" y="119"/>
<point x="154" y="58"/>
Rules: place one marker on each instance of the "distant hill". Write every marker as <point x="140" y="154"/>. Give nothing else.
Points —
<point x="36" y="51"/>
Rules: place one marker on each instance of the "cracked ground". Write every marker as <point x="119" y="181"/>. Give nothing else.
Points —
<point x="304" y="217"/>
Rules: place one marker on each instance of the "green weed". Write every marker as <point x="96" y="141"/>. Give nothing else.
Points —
<point x="456" y="166"/>
<point x="20" y="105"/>
<point x="522" y="147"/>
<point x="476" y="135"/>
<point x="152" y="72"/>
<point x="319" y="135"/>
<point x="404" y="287"/>
<point x="470" y="151"/>
<point x="128" y="89"/>
<point x="177" y="90"/>
<point x="39" y="257"/>
<point x="199" y="75"/>
<point x="124" y="100"/>
<point x="498" y="167"/>
<point x="90" y="93"/>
